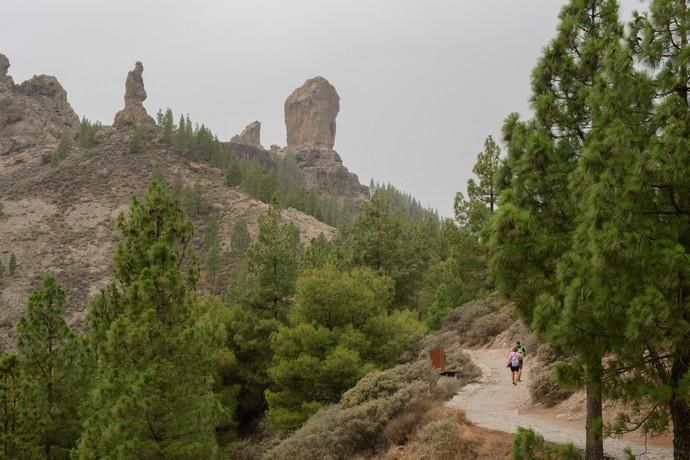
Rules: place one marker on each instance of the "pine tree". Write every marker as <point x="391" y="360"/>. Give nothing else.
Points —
<point x="13" y="264"/>
<point x="51" y="390"/>
<point x="181" y="135"/>
<point x="87" y="133"/>
<point x="656" y="234"/>
<point x="10" y="439"/>
<point x="341" y="327"/>
<point x="381" y="239"/>
<point x="168" y="127"/>
<point x="261" y="294"/>
<point x="482" y="197"/>
<point x="240" y="239"/>
<point x="535" y="223"/>
<point x="212" y="248"/>
<point x="273" y="260"/>
<point x="153" y="396"/>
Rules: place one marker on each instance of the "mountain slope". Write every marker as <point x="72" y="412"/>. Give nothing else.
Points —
<point x="61" y="219"/>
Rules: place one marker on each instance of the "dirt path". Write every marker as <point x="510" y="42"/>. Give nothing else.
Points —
<point x="495" y="403"/>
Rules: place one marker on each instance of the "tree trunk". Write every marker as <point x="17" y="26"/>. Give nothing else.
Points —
<point x="594" y="447"/>
<point x="678" y="407"/>
<point x="680" y="414"/>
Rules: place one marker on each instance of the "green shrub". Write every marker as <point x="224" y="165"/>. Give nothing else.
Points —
<point x="529" y="445"/>
<point x="233" y="172"/>
<point x="87" y="133"/>
<point x="136" y="142"/>
<point x="62" y="151"/>
<point x="13" y="264"/>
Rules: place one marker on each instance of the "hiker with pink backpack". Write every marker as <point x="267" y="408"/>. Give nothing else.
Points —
<point x="514" y="361"/>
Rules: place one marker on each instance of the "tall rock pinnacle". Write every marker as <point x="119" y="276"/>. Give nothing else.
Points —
<point x="134" y="112"/>
<point x="310" y="113"/>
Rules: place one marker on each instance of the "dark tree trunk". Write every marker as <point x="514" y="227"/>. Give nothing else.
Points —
<point x="680" y="414"/>
<point x="594" y="447"/>
<point x="679" y="409"/>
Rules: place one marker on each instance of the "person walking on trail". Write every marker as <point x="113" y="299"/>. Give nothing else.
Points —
<point x="514" y="364"/>
<point x="521" y="350"/>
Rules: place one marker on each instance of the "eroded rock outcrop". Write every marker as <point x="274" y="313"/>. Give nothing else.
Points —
<point x="35" y="112"/>
<point x="310" y="113"/>
<point x="134" y="113"/>
<point x="251" y="135"/>
<point x="323" y="171"/>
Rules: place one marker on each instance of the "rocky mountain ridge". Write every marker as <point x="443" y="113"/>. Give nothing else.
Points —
<point x="60" y="218"/>
<point x="33" y="113"/>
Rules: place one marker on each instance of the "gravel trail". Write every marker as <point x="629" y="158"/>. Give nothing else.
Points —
<point x="494" y="402"/>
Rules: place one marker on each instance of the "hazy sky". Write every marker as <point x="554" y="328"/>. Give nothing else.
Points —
<point x="421" y="82"/>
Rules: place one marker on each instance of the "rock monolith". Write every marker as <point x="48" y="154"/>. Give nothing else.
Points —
<point x="310" y="113"/>
<point x="134" y="113"/>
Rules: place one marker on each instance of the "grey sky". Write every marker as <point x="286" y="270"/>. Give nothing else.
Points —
<point x="421" y="82"/>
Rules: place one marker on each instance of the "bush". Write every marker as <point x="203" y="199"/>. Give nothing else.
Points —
<point x="529" y="445"/>
<point x="398" y="429"/>
<point x="87" y="133"/>
<point x="62" y="151"/>
<point x="359" y="422"/>
<point x="136" y="142"/>
<point x="13" y="264"/>
<point x="487" y="327"/>
<point x="544" y="389"/>
<point x="443" y="439"/>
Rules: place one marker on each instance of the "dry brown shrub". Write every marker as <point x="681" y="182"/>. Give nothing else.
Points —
<point x="486" y="327"/>
<point x="545" y="390"/>
<point x="398" y="429"/>
<point x="445" y="434"/>
<point x="478" y="322"/>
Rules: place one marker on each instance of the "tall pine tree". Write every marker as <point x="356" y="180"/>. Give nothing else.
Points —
<point x="153" y="395"/>
<point x="50" y="389"/>
<point x="535" y="224"/>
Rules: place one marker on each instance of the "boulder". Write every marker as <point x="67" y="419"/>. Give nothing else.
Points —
<point x="251" y="135"/>
<point x="134" y="113"/>
<point x="35" y="112"/>
<point x="310" y="113"/>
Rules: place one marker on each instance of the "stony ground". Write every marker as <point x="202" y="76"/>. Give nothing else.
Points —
<point x="61" y="219"/>
<point x="495" y="403"/>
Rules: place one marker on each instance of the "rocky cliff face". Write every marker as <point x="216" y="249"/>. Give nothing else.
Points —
<point x="134" y="113"/>
<point x="310" y="113"/>
<point x="251" y="135"/>
<point x="35" y="112"/>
